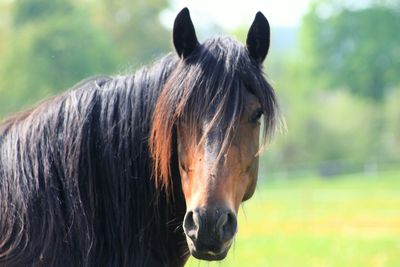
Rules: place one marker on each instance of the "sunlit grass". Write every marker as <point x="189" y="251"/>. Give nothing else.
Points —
<point x="343" y="221"/>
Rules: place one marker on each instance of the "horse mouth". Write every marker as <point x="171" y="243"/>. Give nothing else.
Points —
<point x="209" y="253"/>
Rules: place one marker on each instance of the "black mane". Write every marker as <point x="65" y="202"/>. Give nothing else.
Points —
<point x="75" y="178"/>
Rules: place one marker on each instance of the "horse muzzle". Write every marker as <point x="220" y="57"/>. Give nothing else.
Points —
<point x="210" y="232"/>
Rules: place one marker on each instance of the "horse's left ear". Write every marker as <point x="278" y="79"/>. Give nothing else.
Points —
<point x="184" y="35"/>
<point x="258" y="38"/>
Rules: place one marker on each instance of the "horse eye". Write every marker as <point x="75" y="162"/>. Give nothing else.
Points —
<point x="255" y="117"/>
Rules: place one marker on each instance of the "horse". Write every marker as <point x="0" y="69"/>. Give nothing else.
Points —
<point x="142" y="169"/>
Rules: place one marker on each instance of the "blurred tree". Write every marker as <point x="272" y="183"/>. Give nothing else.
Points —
<point x="31" y="11"/>
<point x="349" y="56"/>
<point x="134" y="26"/>
<point x="356" y="48"/>
<point x="53" y="45"/>
<point x="5" y="22"/>
<point x="329" y="132"/>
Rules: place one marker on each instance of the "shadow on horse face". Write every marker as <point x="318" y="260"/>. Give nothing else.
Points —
<point x="214" y="185"/>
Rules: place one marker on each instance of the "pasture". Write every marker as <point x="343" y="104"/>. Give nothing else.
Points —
<point x="343" y="221"/>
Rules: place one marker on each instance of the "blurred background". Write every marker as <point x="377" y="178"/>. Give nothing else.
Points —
<point x="329" y="189"/>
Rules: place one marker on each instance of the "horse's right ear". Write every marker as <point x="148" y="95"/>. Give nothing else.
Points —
<point x="184" y="35"/>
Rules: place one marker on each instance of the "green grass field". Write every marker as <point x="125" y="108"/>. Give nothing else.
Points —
<point x="345" y="221"/>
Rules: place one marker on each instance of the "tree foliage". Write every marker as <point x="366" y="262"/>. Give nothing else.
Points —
<point x="355" y="48"/>
<point x="51" y="45"/>
<point x="134" y="27"/>
<point x="337" y="96"/>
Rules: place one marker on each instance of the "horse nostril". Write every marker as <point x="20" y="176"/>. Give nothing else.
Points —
<point x="226" y="225"/>
<point x="191" y="224"/>
<point x="222" y="221"/>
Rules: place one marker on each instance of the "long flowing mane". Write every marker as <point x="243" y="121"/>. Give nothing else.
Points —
<point x="75" y="177"/>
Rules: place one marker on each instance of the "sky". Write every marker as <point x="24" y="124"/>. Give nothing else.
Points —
<point x="229" y="14"/>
